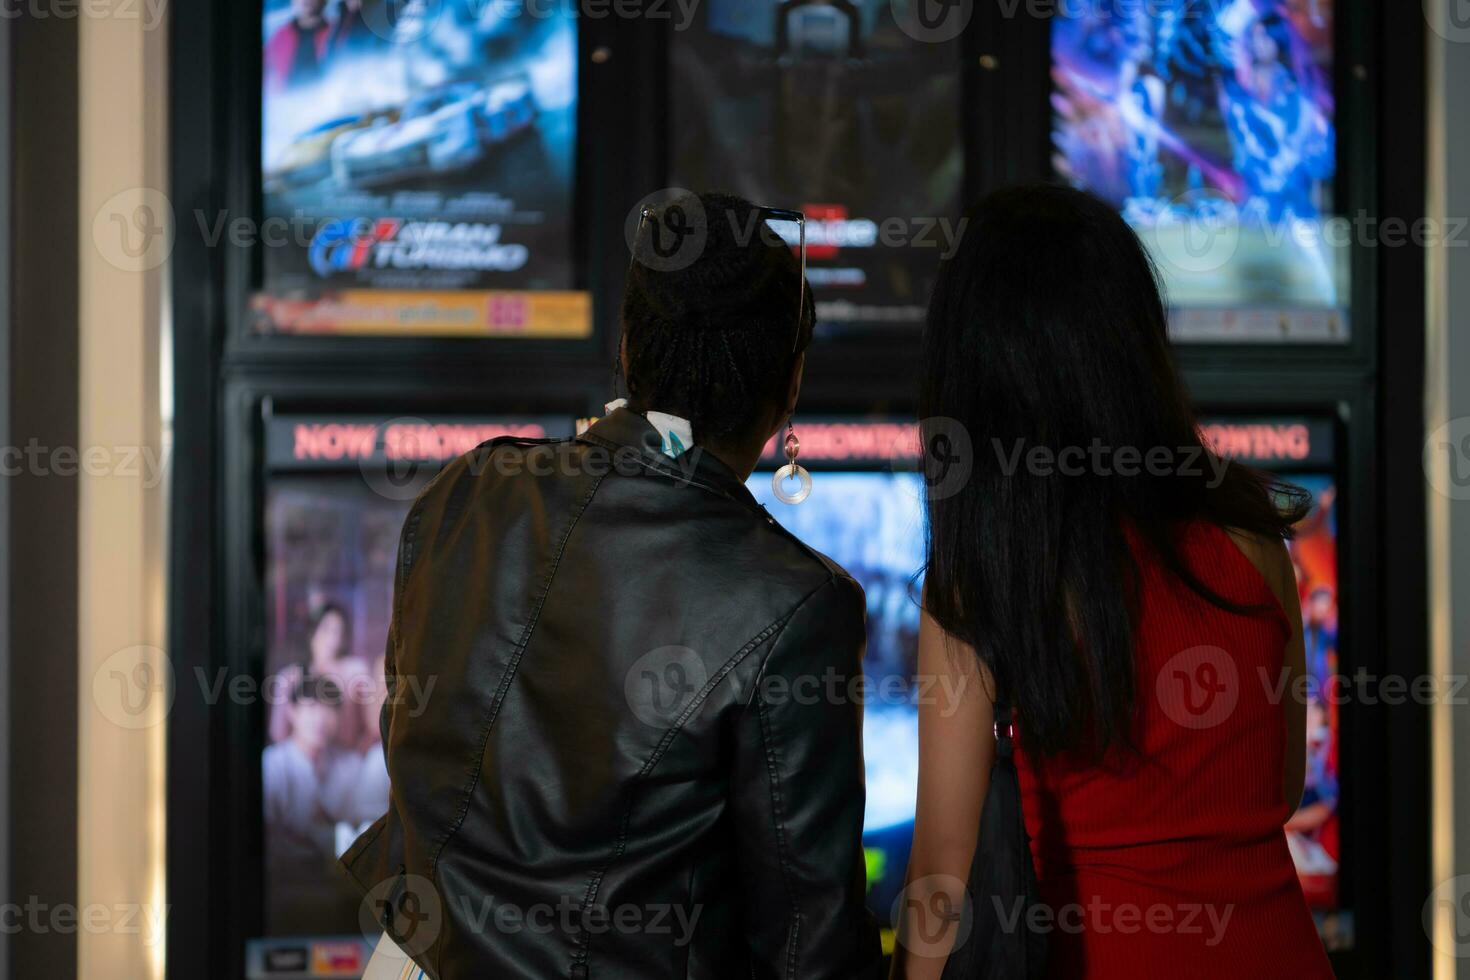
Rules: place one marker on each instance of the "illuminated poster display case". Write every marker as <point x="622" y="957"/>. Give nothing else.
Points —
<point x="1213" y="128"/>
<point x="455" y="192"/>
<point x="337" y="490"/>
<point x="424" y="158"/>
<point x="835" y="110"/>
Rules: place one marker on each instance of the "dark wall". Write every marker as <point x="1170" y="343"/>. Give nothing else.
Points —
<point x="40" y="246"/>
<point x="1403" y="532"/>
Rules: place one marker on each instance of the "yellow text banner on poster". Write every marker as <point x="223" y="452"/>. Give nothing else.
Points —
<point x="565" y="315"/>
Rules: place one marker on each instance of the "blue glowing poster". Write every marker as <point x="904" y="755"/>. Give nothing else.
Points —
<point x="1210" y="124"/>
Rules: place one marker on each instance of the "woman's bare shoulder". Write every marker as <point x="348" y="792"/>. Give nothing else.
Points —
<point x="1271" y="558"/>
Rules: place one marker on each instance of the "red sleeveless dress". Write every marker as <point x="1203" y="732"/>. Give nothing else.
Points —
<point x="1172" y="861"/>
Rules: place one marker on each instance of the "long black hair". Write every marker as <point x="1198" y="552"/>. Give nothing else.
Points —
<point x="713" y="336"/>
<point x="1046" y="349"/>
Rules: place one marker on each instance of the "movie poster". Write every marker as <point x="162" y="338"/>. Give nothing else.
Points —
<point x="418" y="167"/>
<point x="332" y="548"/>
<point x="1313" y="831"/>
<point x="1210" y="124"/>
<point x="833" y="109"/>
<point x="339" y="491"/>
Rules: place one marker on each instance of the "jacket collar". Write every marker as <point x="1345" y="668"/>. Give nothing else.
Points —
<point x="624" y="427"/>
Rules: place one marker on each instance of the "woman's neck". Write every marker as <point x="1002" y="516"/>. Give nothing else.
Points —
<point x="740" y="462"/>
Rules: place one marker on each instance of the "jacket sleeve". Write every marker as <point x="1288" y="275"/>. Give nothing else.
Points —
<point x="798" y="797"/>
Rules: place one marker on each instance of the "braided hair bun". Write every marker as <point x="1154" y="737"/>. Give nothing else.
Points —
<point x="710" y="316"/>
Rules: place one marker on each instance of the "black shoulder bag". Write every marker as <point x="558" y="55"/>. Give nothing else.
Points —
<point x="1002" y="887"/>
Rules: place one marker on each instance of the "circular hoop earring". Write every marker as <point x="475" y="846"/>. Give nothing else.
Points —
<point x="792" y="470"/>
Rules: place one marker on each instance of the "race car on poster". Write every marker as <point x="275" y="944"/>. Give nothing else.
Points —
<point x="307" y="159"/>
<point x="447" y="128"/>
<point x="510" y="108"/>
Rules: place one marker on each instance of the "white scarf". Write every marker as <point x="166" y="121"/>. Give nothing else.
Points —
<point x="677" y="434"/>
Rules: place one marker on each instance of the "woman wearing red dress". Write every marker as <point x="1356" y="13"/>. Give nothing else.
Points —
<point x="1133" y="596"/>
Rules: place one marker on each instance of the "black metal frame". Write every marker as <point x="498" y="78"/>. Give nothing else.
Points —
<point x="1399" y="77"/>
<point x="226" y="377"/>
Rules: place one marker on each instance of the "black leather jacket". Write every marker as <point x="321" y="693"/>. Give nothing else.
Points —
<point x="619" y="730"/>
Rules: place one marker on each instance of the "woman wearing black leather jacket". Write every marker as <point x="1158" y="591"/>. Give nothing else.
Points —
<point x="639" y="757"/>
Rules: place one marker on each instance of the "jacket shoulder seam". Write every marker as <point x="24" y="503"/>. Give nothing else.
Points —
<point x="498" y="698"/>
